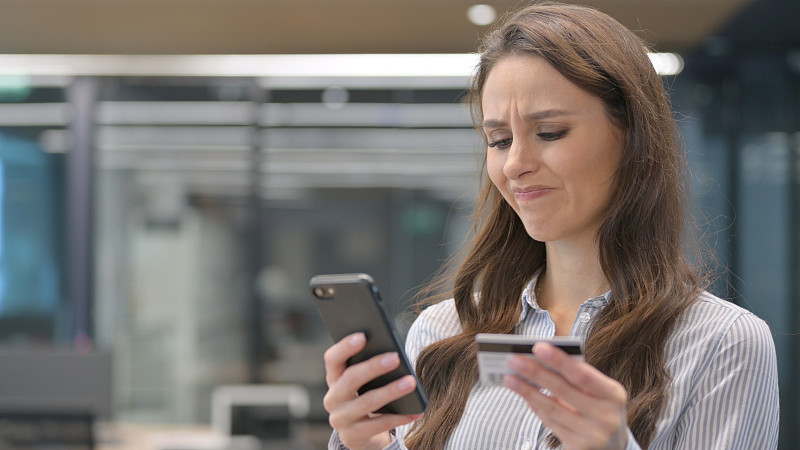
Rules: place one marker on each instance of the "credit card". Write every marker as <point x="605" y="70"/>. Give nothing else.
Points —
<point x="494" y="351"/>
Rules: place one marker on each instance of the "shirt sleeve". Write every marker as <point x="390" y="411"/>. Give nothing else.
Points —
<point x="334" y="443"/>
<point x="735" y="401"/>
<point x="436" y="322"/>
<point x="632" y="444"/>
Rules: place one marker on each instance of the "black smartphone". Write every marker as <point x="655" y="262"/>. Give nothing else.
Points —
<point x="350" y="303"/>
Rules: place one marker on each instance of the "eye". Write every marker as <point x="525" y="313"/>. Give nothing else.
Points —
<point x="501" y="143"/>
<point x="552" y="136"/>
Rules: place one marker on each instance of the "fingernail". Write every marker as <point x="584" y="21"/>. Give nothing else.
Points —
<point x="542" y="351"/>
<point x="357" y="339"/>
<point x="389" y="360"/>
<point x="406" y="384"/>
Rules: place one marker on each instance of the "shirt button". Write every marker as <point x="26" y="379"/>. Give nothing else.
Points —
<point x="585" y="317"/>
<point x="527" y="445"/>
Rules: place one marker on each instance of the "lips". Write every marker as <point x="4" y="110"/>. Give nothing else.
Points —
<point x="531" y="192"/>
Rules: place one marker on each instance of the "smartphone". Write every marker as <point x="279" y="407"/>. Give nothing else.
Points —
<point x="350" y="303"/>
<point x="494" y="350"/>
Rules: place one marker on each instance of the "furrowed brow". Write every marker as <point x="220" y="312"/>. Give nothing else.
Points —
<point x="532" y="117"/>
<point x="546" y="114"/>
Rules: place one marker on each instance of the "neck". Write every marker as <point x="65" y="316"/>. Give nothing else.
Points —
<point x="573" y="275"/>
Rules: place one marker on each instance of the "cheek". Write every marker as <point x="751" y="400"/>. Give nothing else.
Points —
<point x="595" y="180"/>
<point x="588" y="179"/>
<point x="494" y="168"/>
<point x="591" y="178"/>
<point x="595" y="166"/>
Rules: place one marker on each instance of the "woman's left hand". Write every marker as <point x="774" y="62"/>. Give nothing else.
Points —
<point x="585" y="409"/>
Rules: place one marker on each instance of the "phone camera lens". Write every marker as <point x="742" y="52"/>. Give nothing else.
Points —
<point x="324" y="292"/>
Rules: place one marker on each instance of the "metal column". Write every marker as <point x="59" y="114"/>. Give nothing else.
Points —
<point x="81" y="94"/>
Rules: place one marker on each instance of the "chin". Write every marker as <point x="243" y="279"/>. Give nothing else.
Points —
<point x="538" y="234"/>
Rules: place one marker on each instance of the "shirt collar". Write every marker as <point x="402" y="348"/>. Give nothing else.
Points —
<point x="529" y="298"/>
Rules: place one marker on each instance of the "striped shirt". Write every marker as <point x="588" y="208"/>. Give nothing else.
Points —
<point x="724" y="391"/>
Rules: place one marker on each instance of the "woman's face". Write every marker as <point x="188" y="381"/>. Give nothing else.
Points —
<point x="552" y="150"/>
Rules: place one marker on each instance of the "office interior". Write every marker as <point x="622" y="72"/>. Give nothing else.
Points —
<point x="173" y="173"/>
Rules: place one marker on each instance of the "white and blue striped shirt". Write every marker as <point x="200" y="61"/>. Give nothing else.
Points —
<point x="723" y="395"/>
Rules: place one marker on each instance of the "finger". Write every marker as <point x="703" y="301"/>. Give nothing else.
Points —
<point x="354" y="377"/>
<point x="569" y="433"/>
<point x="336" y="356"/>
<point x="355" y="433"/>
<point x="530" y="391"/>
<point x="580" y="374"/>
<point x="571" y="408"/>
<point x="543" y="377"/>
<point x="574" y="430"/>
<point x="599" y="408"/>
<point x="553" y="413"/>
<point x="360" y="408"/>
<point x="382" y="423"/>
<point x="376" y="399"/>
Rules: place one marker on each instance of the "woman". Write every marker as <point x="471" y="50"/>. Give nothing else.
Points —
<point x="579" y="233"/>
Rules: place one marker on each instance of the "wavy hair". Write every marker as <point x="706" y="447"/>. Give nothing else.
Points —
<point x="640" y="239"/>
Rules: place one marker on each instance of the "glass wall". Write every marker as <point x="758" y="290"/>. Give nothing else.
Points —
<point x="740" y="115"/>
<point x="217" y="199"/>
<point x="33" y="114"/>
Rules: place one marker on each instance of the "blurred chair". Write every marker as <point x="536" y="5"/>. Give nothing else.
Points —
<point x="275" y="414"/>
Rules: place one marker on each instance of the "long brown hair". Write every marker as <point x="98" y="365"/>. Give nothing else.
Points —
<point x="640" y="239"/>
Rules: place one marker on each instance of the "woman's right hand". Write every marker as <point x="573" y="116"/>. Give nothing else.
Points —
<point x="351" y="414"/>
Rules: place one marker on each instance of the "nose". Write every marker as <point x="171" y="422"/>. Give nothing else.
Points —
<point x="520" y="160"/>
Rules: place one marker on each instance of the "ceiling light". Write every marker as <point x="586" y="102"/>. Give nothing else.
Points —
<point x="19" y="67"/>
<point x="328" y="65"/>
<point x="481" y="14"/>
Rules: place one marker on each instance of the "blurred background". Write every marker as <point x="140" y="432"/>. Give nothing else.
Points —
<point x="173" y="172"/>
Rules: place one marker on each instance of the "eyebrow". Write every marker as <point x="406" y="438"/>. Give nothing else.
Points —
<point x="538" y="115"/>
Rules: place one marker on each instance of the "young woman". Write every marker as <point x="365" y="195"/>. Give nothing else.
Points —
<point x="579" y="232"/>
